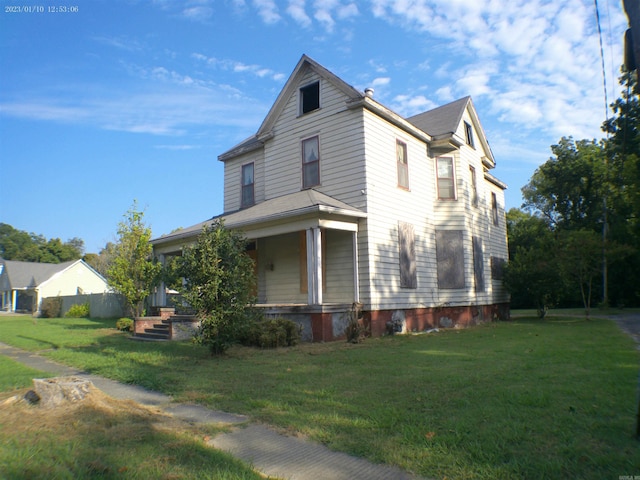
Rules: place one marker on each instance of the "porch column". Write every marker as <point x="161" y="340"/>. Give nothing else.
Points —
<point x="14" y="299"/>
<point x="161" y="292"/>
<point x="314" y="266"/>
<point x="356" y="278"/>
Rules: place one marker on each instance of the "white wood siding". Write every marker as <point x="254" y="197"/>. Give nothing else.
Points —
<point x="233" y="176"/>
<point x="340" y="142"/>
<point x="338" y="266"/>
<point x="386" y="205"/>
<point x="283" y="282"/>
<point x="358" y="166"/>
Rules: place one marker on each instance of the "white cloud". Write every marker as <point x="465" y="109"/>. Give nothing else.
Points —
<point x="409" y="105"/>
<point x="268" y="11"/>
<point x="380" y="81"/>
<point x="296" y="10"/>
<point x="199" y="13"/>
<point x="544" y="57"/>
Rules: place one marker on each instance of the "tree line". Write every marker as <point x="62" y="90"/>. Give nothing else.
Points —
<point x="29" y="247"/>
<point x="576" y="239"/>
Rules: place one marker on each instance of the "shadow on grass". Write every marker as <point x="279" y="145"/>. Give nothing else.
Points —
<point x="104" y="438"/>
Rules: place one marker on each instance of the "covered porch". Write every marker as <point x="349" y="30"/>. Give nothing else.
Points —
<point x="305" y="252"/>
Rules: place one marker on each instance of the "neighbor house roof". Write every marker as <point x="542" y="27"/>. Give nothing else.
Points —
<point x="287" y="206"/>
<point x="31" y="274"/>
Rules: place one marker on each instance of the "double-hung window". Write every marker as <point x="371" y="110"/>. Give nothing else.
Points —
<point x="310" y="162"/>
<point x="494" y="209"/>
<point x="247" y="186"/>
<point x="446" y="178"/>
<point x="403" y="165"/>
<point x="474" y="187"/>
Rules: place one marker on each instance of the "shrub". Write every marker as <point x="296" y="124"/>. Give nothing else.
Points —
<point x="78" y="311"/>
<point x="51" y="307"/>
<point x="219" y="281"/>
<point x="125" y="325"/>
<point x="272" y="333"/>
<point x="355" y="330"/>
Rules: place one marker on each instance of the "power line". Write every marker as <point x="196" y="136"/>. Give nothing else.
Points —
<point x="604" y="73"/>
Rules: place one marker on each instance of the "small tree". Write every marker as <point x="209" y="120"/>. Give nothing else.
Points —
<point x="219" y="285"/>
<point x="133" y="272"/>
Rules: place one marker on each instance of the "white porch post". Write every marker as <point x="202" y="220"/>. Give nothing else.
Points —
<point x="356" y="278"/>
<point x="161" y="294"/>
<point x="314" y="266"/>
<point x="14" y="299"/>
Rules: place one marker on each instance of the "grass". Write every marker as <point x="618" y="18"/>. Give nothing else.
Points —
<point x="521" y="399"/>
<point x="101" y="437"/>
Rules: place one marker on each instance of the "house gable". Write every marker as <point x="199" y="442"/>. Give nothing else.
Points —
<point x="446" y="124"/>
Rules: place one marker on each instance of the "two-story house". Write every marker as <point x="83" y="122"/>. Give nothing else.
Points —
<point x="346" y="202"/>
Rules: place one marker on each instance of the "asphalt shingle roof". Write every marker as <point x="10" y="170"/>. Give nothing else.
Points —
<point x="441" y="121"/>
<point x="31" y="274"/>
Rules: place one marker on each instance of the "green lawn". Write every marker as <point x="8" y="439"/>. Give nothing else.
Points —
<point x="521" y="399"/>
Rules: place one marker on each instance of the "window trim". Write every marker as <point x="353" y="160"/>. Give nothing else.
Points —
<point x="301" y="97"/>
<point x="243" y="185"/>
<point x="402" y="166"/>
<point x="306" y="185"/>
<point x="452" y="178"/>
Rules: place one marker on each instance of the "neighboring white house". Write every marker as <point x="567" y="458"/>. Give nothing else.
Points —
<point x="23" y="285"/>
<point x="346" y="202"/>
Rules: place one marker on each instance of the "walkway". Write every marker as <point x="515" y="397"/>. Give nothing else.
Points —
<point x="270" y="453"/>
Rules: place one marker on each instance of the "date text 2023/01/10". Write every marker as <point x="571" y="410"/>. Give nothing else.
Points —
<point x="41" y="9"/>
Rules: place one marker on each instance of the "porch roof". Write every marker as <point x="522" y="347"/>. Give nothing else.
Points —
<point x="279" y="210"/>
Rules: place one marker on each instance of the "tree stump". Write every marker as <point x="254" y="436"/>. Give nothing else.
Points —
<point x="55" y="391"/>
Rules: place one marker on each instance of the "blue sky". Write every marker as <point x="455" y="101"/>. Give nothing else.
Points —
<point x="120" y="100"/>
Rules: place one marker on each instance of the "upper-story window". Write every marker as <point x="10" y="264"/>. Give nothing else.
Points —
<point x="247" y="186"/>
<point x="474" y="187"/>
<point x="468" y="133"/>
<point x="310" y="162"/>
<point x="403" y="165"/>
<point x="309" y="98"/>
<point x="494" y="209"/>
<point x="446" y="178"/>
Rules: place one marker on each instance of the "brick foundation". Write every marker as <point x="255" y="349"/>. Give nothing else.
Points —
<point x="421" y="319"/>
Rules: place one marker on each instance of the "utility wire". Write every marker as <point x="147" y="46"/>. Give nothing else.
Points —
<point x="604" y="73"/>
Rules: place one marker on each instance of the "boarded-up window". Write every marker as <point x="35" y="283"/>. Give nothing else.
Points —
<point x="478" y="264"/>
<point x="497" y="268"/>
<point x="450" y="258"/>
<point x="406" y="243"/>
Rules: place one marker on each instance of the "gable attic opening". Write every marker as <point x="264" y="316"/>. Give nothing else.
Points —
<point x="310" y="98"/>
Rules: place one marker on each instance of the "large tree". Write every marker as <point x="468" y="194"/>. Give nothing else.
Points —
<point x="568" y="189"/>
<point x="133" y="272"/>
<point x="29" y="247"/>
<point x="219" y="285"/>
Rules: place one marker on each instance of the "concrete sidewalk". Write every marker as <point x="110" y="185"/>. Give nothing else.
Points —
<point x="270" y="453"/>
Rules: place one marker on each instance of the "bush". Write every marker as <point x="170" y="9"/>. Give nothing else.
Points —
<point x="78" y="311"/>
<point x="356" y="331"/>
<point x="125" y="325"/>
<point x="272" y="333"/>
<point x="51" y="307"/>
